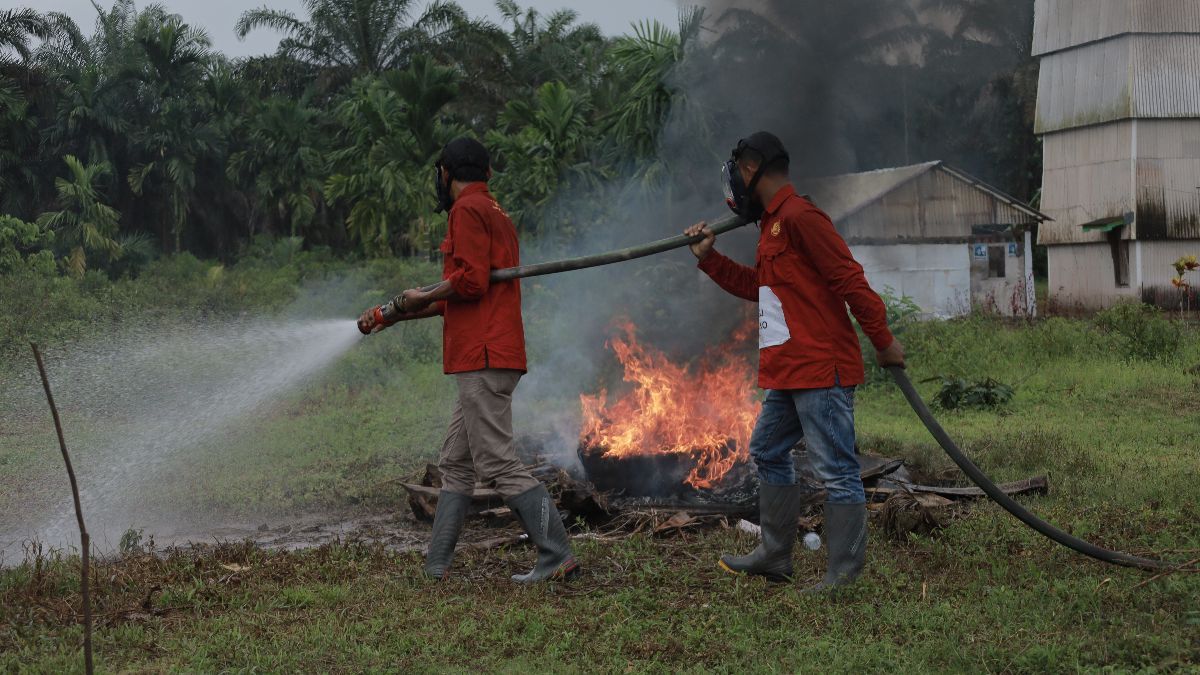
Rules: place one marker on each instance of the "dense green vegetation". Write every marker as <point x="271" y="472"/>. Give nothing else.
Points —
<point x="1110" y="417"/>
<point x="133" y="137"/>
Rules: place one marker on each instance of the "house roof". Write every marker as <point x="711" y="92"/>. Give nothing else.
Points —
<point x="847" y="194"/>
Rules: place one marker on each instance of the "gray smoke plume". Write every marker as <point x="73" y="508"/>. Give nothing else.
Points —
<point x="848" y="85"/>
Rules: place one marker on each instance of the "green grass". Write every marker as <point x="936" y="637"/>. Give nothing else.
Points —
<point x="1118" y="437"/>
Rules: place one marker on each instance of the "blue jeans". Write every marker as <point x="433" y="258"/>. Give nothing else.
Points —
<point x="824" y="418"/>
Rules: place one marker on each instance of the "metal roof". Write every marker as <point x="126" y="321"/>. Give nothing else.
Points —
<point x="1063" y="24"/>
<point x="845" y="195"/>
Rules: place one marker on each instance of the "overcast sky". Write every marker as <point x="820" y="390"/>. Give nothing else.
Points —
<point x="218" y="16"/>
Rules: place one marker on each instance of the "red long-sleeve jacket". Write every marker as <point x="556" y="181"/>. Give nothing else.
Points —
<point x="482" y="327"/>
<point x="803" y="278"/>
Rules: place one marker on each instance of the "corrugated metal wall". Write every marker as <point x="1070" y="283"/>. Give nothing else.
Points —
<point x="1168" y="179"/>
<point x="935" y="205"/>
<point x="1083" y="275"/>
<point x="1144" y="76"/>
<point x="1086" y="175"/>
<point x="1158" y="258"/>
<point x="1061" y="24"/>
<point x="1166" y="74"/>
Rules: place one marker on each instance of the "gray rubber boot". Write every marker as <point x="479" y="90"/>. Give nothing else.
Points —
<point x="778" y="512"/>
<point x="537" y="513"/>
<point x="447" y="524"/>
<point x="846" y="536"/>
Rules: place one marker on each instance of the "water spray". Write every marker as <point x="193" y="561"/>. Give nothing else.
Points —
<point x="392" y="311"/>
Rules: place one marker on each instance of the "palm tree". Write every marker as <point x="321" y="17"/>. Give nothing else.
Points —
<point x="646" y="80"/>
<point x="83" y="223"/>
<point x="383" y="171"/>
<point x="16" y="27"/>
<point x="358" y="36"/>
<point x="811" y="70"/>
<point x="544" y="145"/>
<point x="987" y="55"/>
<point x="544" y="48"/>
<point x="174" y="59"/>
<point x="283" y="162"/>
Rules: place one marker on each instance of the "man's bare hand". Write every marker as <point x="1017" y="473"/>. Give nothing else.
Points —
<point x="415" y="300"/>
<point x="892" y="356"/>
<point x="366" y="322"/>
<point x="702" y="248"/>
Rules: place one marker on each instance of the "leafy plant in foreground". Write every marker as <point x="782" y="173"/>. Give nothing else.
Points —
<point x="958" y="393"/>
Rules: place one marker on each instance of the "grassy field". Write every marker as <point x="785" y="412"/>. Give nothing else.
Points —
<point x="1118" y="436"/>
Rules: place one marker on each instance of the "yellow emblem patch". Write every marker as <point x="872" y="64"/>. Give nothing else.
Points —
<point x="775" y="229"/>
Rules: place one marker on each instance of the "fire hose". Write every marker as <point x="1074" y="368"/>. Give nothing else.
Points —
<point x="914" y="399"/>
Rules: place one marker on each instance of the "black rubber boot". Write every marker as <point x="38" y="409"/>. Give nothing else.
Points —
<point x="846" y="537"/>
<point x="778" y="512"/>
<point x="537" y="513"/>
<point x="447" y="524"/>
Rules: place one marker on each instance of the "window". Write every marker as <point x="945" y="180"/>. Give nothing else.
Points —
<point x="1120" y="254"/>
<point x="995" y="262"/>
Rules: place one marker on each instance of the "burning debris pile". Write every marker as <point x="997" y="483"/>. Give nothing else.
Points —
<point x="671" y="453"/>
<point x="677" y="433"/>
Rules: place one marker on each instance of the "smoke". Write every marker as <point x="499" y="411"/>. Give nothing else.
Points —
<point x="846" y="85"/>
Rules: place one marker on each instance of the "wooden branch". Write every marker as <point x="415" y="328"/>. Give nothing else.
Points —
<point x="84" y="541"/>
<point x="1037" y="484"/>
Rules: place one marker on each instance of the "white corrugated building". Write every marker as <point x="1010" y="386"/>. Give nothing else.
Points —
<point x="1119" y="114"/>
<point x="932" y="233"/>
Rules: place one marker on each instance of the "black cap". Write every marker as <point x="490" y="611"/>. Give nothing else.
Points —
<point x="766" y="144"/>
<point x="466" y="159"/>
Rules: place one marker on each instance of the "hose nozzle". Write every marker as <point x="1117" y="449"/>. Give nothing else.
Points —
<point x="380" y="317"/>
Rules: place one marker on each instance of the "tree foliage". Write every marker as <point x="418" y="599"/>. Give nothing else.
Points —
<point x="132" y="137"/>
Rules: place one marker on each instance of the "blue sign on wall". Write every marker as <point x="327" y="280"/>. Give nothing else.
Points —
<point x="1013" y="251"/>
<point x="980" y="251"/>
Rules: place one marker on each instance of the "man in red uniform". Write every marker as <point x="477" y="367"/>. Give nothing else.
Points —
<point x="809" y="358"/>
<point x="483" y="347"/>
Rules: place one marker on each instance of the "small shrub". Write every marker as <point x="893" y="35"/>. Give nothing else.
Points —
<point x="131" y="541"/>
<point x="1144" y="332"/>
<point x="958" y="393"/>
<point x="902" y="312"/>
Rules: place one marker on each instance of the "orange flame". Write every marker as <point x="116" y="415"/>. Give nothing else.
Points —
<point x="707" y="414"/>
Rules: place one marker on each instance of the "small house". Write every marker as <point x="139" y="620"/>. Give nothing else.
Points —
<point x="948" y="241"/>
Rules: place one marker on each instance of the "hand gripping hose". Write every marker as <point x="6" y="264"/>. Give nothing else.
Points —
<point x="997" y="495"/>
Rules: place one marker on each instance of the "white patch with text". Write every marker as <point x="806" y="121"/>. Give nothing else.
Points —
<point x="772" y="327"/>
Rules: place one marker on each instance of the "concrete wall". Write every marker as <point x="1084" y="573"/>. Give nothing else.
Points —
<point x="946" y="280"/>
<point x="936" y="276"/>
<point x="1002" y="295"/>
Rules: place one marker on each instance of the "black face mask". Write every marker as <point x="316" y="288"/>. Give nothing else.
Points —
<point x="444" y="198"/>
<point x="741" y="197"/>
<point x="738" y="195"/>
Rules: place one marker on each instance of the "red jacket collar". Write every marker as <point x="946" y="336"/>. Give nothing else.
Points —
<point x="780" y="197"/>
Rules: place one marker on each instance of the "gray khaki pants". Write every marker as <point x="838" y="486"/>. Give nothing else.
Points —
<point x="479" y="443"/>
